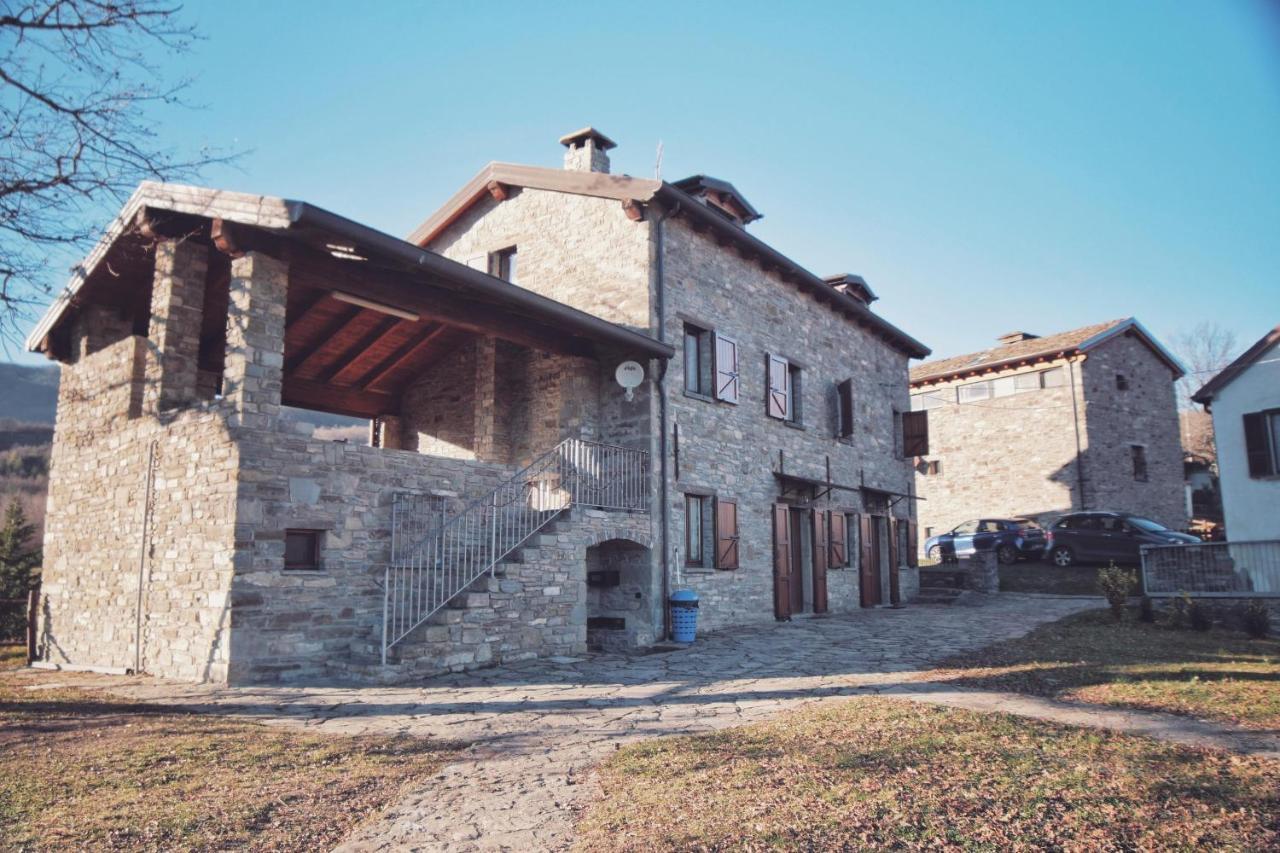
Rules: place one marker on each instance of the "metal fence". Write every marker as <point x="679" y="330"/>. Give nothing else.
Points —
<point x="1213" y="569"/>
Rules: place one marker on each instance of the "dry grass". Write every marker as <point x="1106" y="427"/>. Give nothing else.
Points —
<point x="84" y="770"/>
<point x="1219" y="675"/>
<point x="878" y="773"/>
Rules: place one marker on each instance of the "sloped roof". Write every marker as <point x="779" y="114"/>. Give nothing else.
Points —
<point x="1033" y="349"/>
<point x="1224" y="378"/>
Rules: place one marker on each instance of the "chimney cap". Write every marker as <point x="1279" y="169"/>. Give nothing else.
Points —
<point x="1016" y="337"/>
<point x="572" y="140"/>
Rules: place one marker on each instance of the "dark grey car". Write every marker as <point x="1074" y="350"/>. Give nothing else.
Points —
<point x="1102" y="537"/>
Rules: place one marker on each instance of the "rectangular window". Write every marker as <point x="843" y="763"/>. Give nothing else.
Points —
<point x="1005" y="386"/>
<point x="726" y="369"/>
<point x="1122" y="382"/>
<point x="502" y="264"/>
<point x="726" y="534"/>
<point x="697" y="360"/>
<point x="694" y="530"/>
<point x="778" y="383"/>
<point x="844" y="408"/>
<point x="302" y="549"/>
<point x="1055" y="378"/>
<point x="915" y="434"/>
<point x="933" y="467"/>
<point x="1262" y="443"/>
<point x="973" y="392"/>
<point x="1026" y="382"/>
<point x="927" y="400"/>
<point x="1139" y="455"/>
<point x="795" y="415"/>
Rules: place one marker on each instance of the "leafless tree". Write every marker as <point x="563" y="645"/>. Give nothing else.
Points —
<point x="1204" y="349"/>
<point x="79" y="99"/>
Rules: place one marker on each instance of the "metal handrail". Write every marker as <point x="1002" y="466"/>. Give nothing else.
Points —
<point x="425" y="575"/>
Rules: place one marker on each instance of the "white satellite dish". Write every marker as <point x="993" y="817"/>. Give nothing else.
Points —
<point x="629" y="375"/>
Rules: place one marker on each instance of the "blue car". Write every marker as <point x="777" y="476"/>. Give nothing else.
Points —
<point x="1012" y="539"/>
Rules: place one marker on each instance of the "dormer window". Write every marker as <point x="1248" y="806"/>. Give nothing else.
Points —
<point x="720" y="196"/>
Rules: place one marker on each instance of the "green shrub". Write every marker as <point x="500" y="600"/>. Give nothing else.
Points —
<point x="1116" y="584"/>
<point x="1147" y="609"/>
<point x="1257" y="620"/>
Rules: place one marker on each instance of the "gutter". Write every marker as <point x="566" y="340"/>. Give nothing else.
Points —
<point x="660" y="297"/>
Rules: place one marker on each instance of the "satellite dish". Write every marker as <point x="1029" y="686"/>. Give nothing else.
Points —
<point x="629" y="375"/>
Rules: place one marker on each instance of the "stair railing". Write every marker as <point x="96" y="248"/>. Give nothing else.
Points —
<point x="428" y="572"/>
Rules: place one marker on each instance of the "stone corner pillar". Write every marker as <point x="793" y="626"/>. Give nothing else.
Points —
<point x="253" y="378"/>
<point x="984" y="572"/>
<point x="177" y="308"/>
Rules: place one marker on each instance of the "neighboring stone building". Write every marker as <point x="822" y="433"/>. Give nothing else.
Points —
<point x="1244" y="400"/>
<point x="1039" y="426"/>
<point x="513" y="501"/>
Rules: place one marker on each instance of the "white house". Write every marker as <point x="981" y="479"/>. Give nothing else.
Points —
<point x="1245" y="402"/>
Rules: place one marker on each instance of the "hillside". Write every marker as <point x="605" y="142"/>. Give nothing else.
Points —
<point x="28" y="394"/>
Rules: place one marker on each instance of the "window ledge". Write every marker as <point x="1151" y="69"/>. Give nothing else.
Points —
<point x="699" y="570"/>
<point x="694" y="395"/>
<point x="795" y="425"/>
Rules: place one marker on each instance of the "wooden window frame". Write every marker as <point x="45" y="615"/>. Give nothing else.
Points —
<point x="689" y="560"/>
<point x="726" y="380"/>
<point x="316" y="537"/>
<point x="844" y="409"/>
<point x="500" y="263"/>
<point x="777" y="400"/>
<point x="1261" y="448"/>
<point x="704" y="338"/>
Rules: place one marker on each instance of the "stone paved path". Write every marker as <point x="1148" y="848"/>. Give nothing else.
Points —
<point x="537" y="728"/>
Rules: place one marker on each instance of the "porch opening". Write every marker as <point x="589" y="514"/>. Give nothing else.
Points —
<point x="619" y="596"/>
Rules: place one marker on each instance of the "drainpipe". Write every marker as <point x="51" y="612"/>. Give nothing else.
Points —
<point x="660" y="297"/>
<point x="1075" y="416"/>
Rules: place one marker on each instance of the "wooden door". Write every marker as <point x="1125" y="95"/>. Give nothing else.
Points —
<point x="797" y="561"/>
<point x="869" y="560"/>
<point x="820" y="522"/>
<point x="781" y="561"/>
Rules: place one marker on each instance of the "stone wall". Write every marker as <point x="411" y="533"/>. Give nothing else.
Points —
<point x="1005" y="457"/>
<point x="1145" y="414"/>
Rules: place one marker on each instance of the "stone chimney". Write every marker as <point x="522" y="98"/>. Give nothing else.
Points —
<point x="585" y="150"/>
<point x="1015" y="337"/>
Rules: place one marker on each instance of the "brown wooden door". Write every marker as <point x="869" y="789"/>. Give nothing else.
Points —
<point x="797" y="560"/>
<point x="868" y="560"/>
<point x="781" y="562"/>
<point x="820" y="522"/>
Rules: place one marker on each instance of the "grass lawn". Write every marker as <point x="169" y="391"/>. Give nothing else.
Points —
<point x="873" y="772"/>
<point x="1036" y="576"/>
<point x="85" y="770"/>
<point x="1219" y="675"/>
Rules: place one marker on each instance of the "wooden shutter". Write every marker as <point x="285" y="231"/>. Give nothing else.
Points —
<point x="781" y="562"/>
<point x="895" y="538"/>
<point x="839" y="542"/>
<point x="820" y="522"/>
<point x="726" y="369"/>
<point x="726" y="535"/>
<point x="915" y="433"/>
<point x="844" y="408"/>
<point x="868" y="572"/>
<point x="779" y="390"/>
<point x="913" y="544"/>
<point x="1261" y="464"/>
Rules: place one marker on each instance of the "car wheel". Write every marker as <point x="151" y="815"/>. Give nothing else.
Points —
<point x="1062" y="556"/>
<point x="1007" y="554"/>
<point x="935" y="554"/>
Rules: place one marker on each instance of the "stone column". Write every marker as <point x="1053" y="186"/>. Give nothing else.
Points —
<point x="486" y="399"/>
<point x="984" y="572"/>
<point x="254" y="375"/>
<point x="177" y="306"/>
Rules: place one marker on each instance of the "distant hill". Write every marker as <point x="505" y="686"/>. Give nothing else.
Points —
<point x="28" y="394"/>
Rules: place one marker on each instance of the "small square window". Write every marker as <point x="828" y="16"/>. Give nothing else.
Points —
<point x="1054" y="378"/>
<point x="1139" y="455"/>
<point x="502" y="264"/>
<point x="1122" y="382"/>
<point x="302" y="549"/>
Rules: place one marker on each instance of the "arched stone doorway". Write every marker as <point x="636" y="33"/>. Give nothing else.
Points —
<point x="619" y="596"/>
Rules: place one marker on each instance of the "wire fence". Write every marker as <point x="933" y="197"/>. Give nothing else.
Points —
<point x="1213" y="569"/>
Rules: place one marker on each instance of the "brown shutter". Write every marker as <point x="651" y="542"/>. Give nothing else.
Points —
<point x="868" y="572"/>
<point x="726" y="369"/>
<point x="895" y="538"/>
<point x="726" y="535"/>
<point x="781" y="562"/>
<point x="779" y="390"/>
<point x="839" y="541"/>
<point x="915" y="433"/>
<point x="913" y="544"/>
<point x="844" y="408"/>
<point x="820" y="521"/>
<point x="1255" y="445"/>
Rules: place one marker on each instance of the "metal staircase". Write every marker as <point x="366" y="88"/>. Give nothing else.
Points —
<point x="429" y="570"/>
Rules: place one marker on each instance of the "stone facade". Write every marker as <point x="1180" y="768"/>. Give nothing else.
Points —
<point x="1044" y="452"/>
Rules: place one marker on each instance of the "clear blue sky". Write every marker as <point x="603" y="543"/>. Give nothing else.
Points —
<point x="987" y="166"/>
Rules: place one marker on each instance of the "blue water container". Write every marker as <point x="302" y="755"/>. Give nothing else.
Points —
<point x="684" y="615"/>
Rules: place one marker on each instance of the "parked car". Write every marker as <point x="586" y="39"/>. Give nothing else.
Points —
<point x="1099" y="537"/>
<point x="1011" y="538"/>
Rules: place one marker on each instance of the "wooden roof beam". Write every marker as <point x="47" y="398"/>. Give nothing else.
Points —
<point x="401" y="356"/>
<point x="340" y="323"/>
<point x="352" y="355"/>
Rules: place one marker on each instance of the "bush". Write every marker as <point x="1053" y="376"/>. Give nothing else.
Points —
<point x="1116" y="584"/>
<point x="1257" y="621"/>
<point x="1200" y="616"/>
<point x="1147" y="609"/>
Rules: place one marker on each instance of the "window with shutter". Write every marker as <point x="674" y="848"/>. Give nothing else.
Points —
<point x="1262" y="442"/>
<point x="726" y="369"/>
<point x="839" y="540"/>
<point x="778" y="399"/>
<point x="693" y="530"/>
<point x="697" y="360"/>
<point x="915" y="434"/>
<point x="726" y="534"/>
<point x="844" y="408"/>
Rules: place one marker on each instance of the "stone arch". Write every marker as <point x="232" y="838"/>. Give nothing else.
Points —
<point x="620" y="596"/>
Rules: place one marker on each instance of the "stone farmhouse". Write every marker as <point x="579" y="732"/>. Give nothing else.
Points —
<point x="514" y="499"/>
<point x="1039" y="426"/>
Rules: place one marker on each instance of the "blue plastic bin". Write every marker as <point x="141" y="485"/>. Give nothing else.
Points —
<point x="684" y="615"/>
